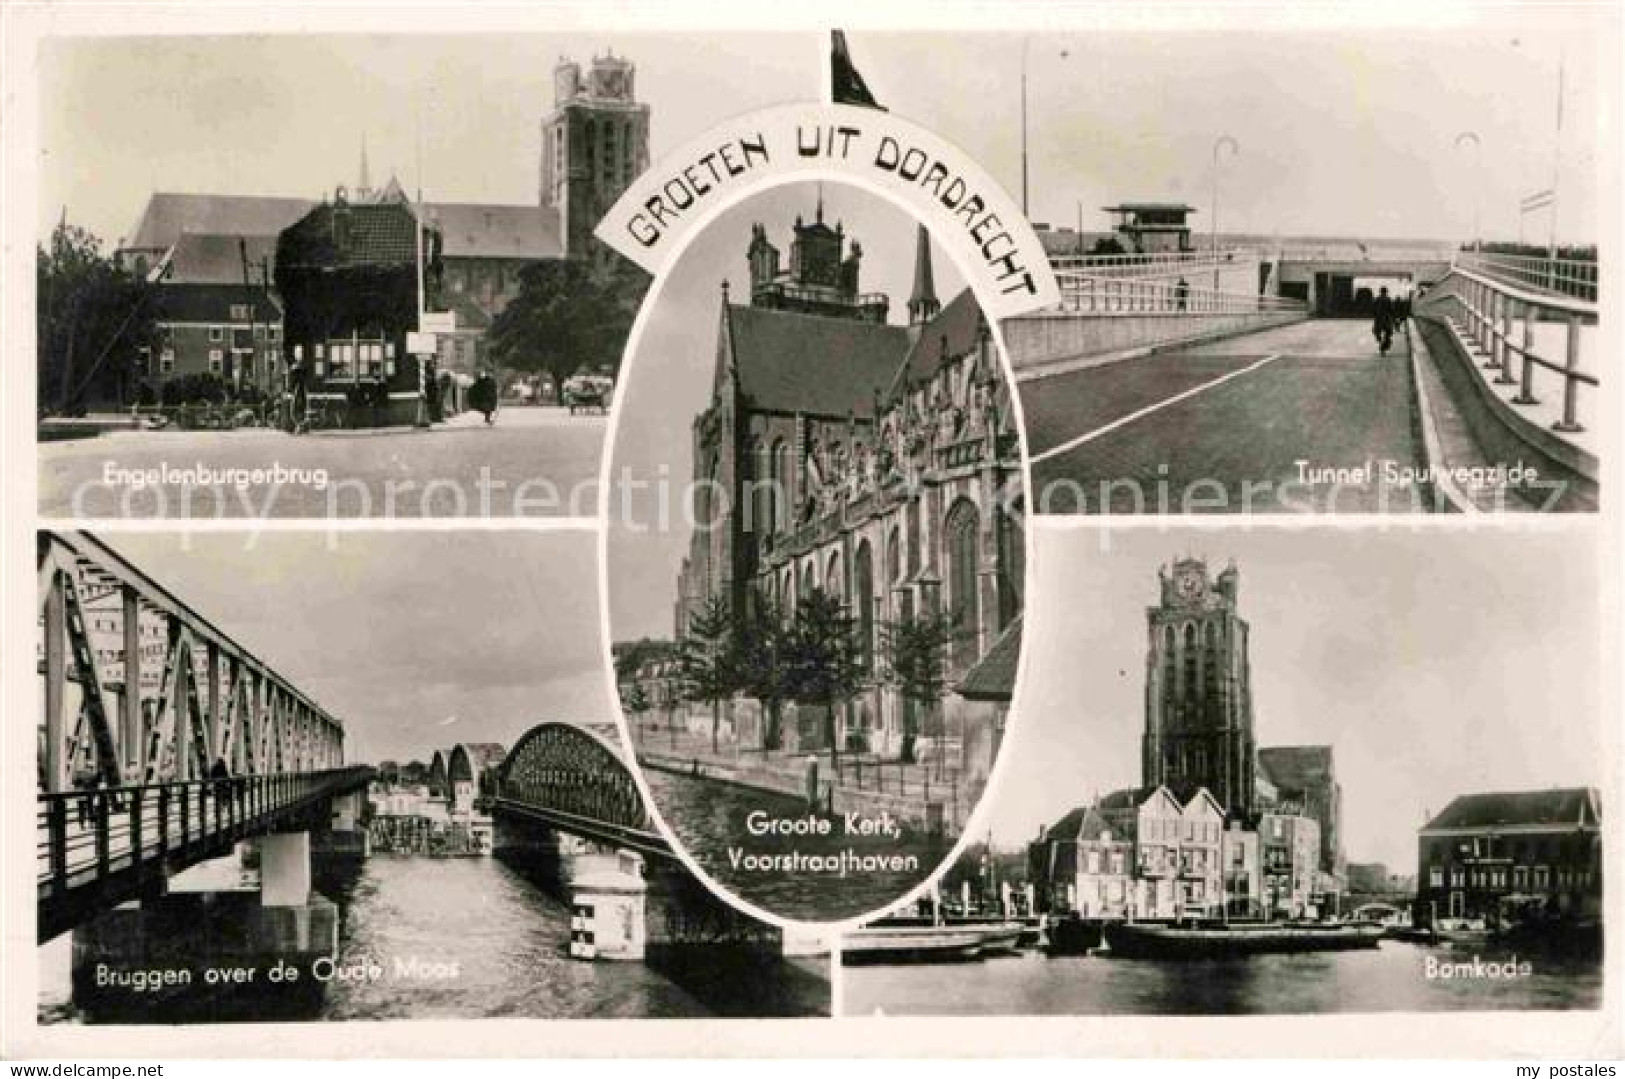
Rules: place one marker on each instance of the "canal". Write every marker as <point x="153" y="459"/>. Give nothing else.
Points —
<point x="468" y="938"/>
<point x="1393" y="977"/>
<point x="711" y="816"/>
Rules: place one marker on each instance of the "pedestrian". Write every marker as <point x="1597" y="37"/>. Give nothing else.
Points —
<point x="483" y="396"/>
<point x="1384" y="317"/>
<point x="1182" y="292"/>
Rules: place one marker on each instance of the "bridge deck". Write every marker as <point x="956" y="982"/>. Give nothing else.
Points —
<point x="1221" y="427"/>
<point x="96" y="849"/>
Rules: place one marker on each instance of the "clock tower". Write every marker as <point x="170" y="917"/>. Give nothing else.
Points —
<point x="1198" y="694"/>
<point x="594" y="143"/>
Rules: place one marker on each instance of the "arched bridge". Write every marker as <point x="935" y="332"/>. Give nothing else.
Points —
<point x="163" y="741"/>
<point x="574" y="779"/>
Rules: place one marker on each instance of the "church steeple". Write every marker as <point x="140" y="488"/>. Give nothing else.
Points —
<point x="363" y="187"/>
<point x="922" y="302"/>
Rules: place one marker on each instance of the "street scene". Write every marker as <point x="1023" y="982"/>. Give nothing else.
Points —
<point x="243" y="327"/>
<point x="342" y="807"/>
<point x="1336" y="300"/>
<point x="816" y="649"/>
<point x="1271" y="779"/>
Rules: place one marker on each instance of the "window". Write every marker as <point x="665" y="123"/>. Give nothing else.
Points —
<point x="962" y="527"/>
<point x="273" y="331"/>
<point x="166" y="361"/>
<point x="1436" y="876"/>
<point x="242" y="312"/>
<point x="216" y="361"/>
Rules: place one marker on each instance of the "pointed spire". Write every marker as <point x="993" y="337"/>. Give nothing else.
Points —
<point x="922" y="303"/>
<point x="364" y="185"/>
<point x="820" y="202"/>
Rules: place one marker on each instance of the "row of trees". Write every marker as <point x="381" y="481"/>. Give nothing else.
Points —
<point x="815" y="655"/>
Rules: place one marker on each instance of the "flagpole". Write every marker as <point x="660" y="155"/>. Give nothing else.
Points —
<point x="1557" y="162"/>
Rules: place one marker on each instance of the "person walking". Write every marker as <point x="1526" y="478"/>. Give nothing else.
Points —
<point x="1384" y="317"/>
<point x="1182" y="293"/>
<point x="483" y="396"/>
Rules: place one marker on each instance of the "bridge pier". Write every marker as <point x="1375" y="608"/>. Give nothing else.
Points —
<point x="214" y="945"/>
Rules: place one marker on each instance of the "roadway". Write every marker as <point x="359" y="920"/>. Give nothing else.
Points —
<point x="1300" y="418"/>
<point x="534" y="462"/>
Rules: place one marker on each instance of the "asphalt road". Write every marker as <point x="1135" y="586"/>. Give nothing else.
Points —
<point x="1305" y="418"/>
<point x="534" y="462"/>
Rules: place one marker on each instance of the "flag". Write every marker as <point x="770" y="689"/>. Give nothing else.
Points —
<point x="847" y="85"/>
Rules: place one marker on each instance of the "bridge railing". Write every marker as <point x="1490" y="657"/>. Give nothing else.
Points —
<point x="104" y="841"/>
<point x="1492" y="308"/>
<point x="1566" y="277"/>
<point x="1152" y="264"/>
<point x="1089" y="294"/>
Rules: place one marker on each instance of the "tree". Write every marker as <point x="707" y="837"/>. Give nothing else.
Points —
<point x="826" y="661"/>
<point x="634" y="702"/>
<point x="1107" y="245"/>
<point x="570" y="314"/>
<point x="915" y="651"/>
<point x="93" y="321"/>
<point x="706" y="660"/>
<point x="761" y="643"/>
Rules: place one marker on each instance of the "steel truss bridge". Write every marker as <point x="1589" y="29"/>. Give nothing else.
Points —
<point x="163" y="741"/>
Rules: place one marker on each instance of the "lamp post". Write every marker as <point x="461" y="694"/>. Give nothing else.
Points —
<point x="1478" y="190"/>
<point x="1213" y="247"/>
<point x="1026" y="41"/>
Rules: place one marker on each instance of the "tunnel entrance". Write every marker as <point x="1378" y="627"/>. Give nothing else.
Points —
<point x="1340" y="295"/>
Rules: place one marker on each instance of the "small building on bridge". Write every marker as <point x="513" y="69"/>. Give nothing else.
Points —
<point x="1151" y="228"/>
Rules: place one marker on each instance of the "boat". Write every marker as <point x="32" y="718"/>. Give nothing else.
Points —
<point x="881" y="942"/>
<point x="1216" y="940"/>
<point x="1074" y="936"/>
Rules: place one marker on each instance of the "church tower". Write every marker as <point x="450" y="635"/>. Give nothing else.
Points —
<point x="922" y="302"/>
<point x="1198" y="692"/>
<point x="594" y="143"/>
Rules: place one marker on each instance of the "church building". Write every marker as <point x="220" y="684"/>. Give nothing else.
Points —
<point x="876" y="461"/>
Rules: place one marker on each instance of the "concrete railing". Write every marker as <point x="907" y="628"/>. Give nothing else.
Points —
<point x="1088" y="294"/>
<point x="1171" y="264"/>
<point x="1566" y="277"/>
<point x="1491" y="307"/>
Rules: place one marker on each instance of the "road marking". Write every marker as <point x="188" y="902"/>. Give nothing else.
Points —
<point x="1124" y="421"/>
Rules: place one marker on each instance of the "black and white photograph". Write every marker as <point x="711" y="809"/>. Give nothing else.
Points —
<point x="350" y="276"/>
<point x="815" y="615"/>
<point x="1281" y="772"/>
<point x="395" y="792"/>
<point x="1301" y="271"/>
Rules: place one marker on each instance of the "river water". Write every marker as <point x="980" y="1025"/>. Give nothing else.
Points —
<point x="1393" y="977"/>
<point x="711" y="818"/>
<point x="467" y="938"/>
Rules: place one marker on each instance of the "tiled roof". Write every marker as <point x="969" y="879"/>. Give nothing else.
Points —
<point x="480" y="230"/>
<point x="993" y="678"/>
<point x="217" y="258"/>
<point x="212" y="303"/>
<point x="1560" y="806"/>
<point x="1297" y="767"/>
<point x="169" y="215"/>
<point x="350" y="234"/>
<point x="818" y="365"/>
<point x="953" y="332"/>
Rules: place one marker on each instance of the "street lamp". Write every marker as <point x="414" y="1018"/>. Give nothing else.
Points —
<point x="1478" y="192"/>
<point x="1025" y="42"/>
<point x="1235" y="148"/>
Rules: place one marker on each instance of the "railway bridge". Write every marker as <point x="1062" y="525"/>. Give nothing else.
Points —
<point x="181" y="780"/>
<point x="568" y="809"/>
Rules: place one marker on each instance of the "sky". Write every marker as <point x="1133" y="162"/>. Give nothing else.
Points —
<point x="286" y="115"/>
<point x="415" y="640"/>
<point x="667" y="379"/>
<point x="1347" y="133"/>
<point x="1435" y="663"/>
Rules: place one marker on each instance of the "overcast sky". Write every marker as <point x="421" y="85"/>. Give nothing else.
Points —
<point x="1345" y="133"/>
<point x="667" y="381"/>
<point x="1435" y="663"/>
<point x="285" y="115"/>
<point x="415" y="640"/>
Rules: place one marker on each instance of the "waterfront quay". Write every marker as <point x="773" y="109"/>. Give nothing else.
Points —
<point x="924" y="794"/>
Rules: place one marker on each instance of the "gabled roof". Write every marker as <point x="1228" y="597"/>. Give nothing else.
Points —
<point x="212" y="303"/>
<point x="490" y="230"/>
<point x="1571" y="806"/>
<point x="993" y="678"/>
<point x="371" y="235"/>
<point x="789" y="362"/>
<point x="1297" y="768"/>
<point x="954" y="331"/>
<point x="168" y="215"/>
<point x="217" y="258"/>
